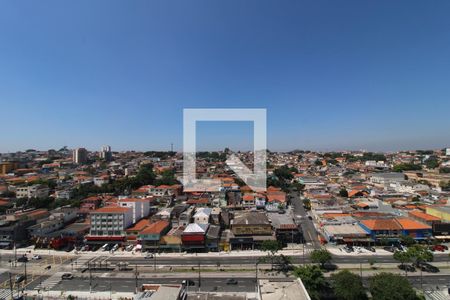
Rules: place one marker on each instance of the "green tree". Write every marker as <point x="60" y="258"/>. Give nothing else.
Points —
<point x="348" y="286"/>
<point x="313" y="280"/>
<point x="372" y="261"/>
<point x="388" y="286"/>
<point x="272" y="248"/>
<point x="321" y="256"/>
<point x="403" y="258"/>
<point x="406" y="167"/>
<point x="419" y="253"/>
<point x="432" y="163"/>
<point x="407" y="240"/>
<point x="343" y="193"/>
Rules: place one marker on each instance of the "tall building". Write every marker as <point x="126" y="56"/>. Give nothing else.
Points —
<point x="105" y="153"/>
<point x="447" y="151"/>
<point x="7" y="166"/>
<point x="80" y="156"/>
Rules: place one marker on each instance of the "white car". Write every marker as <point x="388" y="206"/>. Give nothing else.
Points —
<point x="36" y="257"/>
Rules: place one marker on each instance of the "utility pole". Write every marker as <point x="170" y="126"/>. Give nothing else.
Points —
<point x="15" y="252"/>
<point x="199" y="277"/>
<point x="360" y="269"/>
<point x="136" y="278"/>
<point x="25" y="266"/>
<point x="11" y="286"/>
<point x="421" y="279"/>
<point x="90" y="277"/>
<point x="256" y="275"/>
<point x="154" y="262"/>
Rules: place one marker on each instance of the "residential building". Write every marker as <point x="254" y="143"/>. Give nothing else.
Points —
<point x="80" y="156"/>
<point x="105" y="153"/>
<point x="194" y="236"/>
<point x="32" y="191"/>
<point x="140" y="207"/>
<point x="109" y="224"/>
<point x="150" y="236"/>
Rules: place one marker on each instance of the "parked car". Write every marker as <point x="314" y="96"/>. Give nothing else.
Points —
<point x="188" y="282"/>
<point x="105" y="247"/>
<point x="48" y="267"/>
<point x="115" y="247"/>
<point x="232" y="281"/>
<point x="66" y="276"/>
<point x="348" y="249"/>
<point x="22" y="259"/>
<point x="438" y="248"/>
<point x="370" y="248"/>
<point x="129" y="248"/>
<point x="426" y="267"/>
<point x="36" y="257"/>
<point x="148" y="256"/>
<point x="390" y="248"/>
<point x="19" y="278"/>
<point x="329" y="267"/>
<point x="406" y="267"/>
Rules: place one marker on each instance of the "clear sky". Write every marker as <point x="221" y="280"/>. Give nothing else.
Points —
<point x="332" y="74"/>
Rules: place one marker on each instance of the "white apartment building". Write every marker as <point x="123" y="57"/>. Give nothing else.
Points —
<point x="111" y="221"/>
<point x="80" y="156"/>
<point x="32" y="191"/>
<point x="140" y="207"/>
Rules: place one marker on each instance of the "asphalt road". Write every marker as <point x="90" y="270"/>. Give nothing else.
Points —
<point x="128" y="284"/>
<point x="213" y="284"/>
<point x="251" y="260"/>
<point x="301" y="217"/>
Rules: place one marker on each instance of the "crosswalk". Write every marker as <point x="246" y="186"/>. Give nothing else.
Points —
<point x="50" y="282"/>
<point x="5" y="294"/>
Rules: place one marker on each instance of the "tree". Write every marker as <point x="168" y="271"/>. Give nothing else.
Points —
<point x="407" y="240"/>
<point x="372" y="261"/>
<point x="348" y="286"/>
<point x="406" y="167"/>
<point x="432" y="163"/>
<point x="419" y="254"/>
<point x="320" y="256"/>
<point x="403" y="258"/>
<point x="343" y="193"/>
<point x="313" y="280"/>
<point x="388" y="286"/>
<point x="272" y="248"/>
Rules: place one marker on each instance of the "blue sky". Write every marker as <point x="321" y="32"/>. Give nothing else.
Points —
<point x="332" y="75"/>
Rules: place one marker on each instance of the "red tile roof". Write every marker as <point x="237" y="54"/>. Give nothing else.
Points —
<point x="155" y="228"/>
<point x="112" y="209"/>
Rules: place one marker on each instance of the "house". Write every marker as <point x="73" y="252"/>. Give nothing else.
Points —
<point x="186" y="216"/>
<point x="202" y="215"/>
<point x="194" y="236"/>
<point x="171" y="242"/>
<point x="250" y="229"/>
<point x="286" y="231"/>
<point x="150" y="236"/>
<point x="133" y="231"/>
<point x="212" y="238"/>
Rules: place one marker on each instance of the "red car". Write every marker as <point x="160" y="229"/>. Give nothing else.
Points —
<point x="440" y="248"/>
